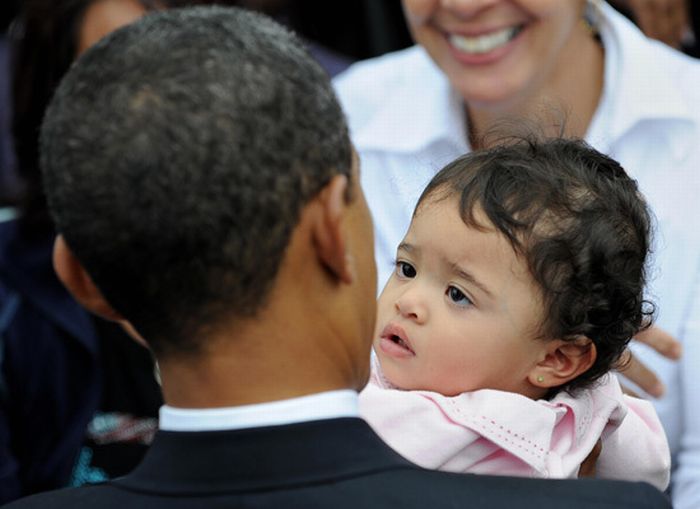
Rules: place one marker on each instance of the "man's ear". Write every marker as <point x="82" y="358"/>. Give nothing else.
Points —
<point x="328" y="229"/>
<point x="79" y="283"/>
<point x="563" y="361"/>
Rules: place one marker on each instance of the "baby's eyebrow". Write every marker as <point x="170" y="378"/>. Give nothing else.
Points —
<point x="467" y="276"/>
<point x="405" y="246"/>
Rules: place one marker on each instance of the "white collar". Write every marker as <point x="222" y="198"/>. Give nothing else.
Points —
<point x="324" y="405"/>
<point x="425" y="108"/>
<point x="637" y="85"/>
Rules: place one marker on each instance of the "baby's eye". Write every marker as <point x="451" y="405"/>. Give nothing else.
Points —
<point x="405" y="270"/>
<point x="457" y="296"/>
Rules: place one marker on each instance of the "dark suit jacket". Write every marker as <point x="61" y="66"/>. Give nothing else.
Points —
<point x="337" y="463"/>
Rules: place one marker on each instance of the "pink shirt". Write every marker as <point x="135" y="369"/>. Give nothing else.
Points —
<point x="503" y="433"/>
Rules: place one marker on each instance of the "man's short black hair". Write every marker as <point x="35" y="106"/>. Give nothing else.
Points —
<point x="177" y="155"/>
<point x="580" y="223"/>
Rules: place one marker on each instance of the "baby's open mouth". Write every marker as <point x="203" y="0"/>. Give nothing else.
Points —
<point x="396" y="339"/>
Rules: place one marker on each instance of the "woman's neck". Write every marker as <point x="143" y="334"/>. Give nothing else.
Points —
<point x="563" y="105"/>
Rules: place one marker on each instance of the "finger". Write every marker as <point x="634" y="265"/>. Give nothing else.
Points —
<point x="663" y="23"/>
<point x="661" y="341"/>
<point x="678" y="16"/>
<point x="672" y="20"/>
<point x="664" y="20"/>
<point x="588" y="467"/>
<point x="646" y="16"/>
<point x="629" y="392"/>
<point x="642" y="376"/>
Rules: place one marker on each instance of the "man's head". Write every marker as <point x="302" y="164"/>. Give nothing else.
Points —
<point x="179" y="156"/>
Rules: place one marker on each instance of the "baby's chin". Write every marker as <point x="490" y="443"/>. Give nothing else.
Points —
<point x="387" y="373"/>
<point x="397" y="378"/>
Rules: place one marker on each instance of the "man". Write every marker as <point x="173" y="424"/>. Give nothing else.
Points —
<point x="200" y="174"/>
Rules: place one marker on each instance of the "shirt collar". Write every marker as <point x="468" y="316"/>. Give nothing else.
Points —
<point x="424" y="109"/>
<point x="637" y="87"/>
<point x="324" y="405"/>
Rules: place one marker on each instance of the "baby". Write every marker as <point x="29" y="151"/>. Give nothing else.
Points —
<point x="516" y="290"/>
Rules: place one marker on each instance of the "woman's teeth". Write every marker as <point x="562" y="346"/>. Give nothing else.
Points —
<point x="484" y="43"/>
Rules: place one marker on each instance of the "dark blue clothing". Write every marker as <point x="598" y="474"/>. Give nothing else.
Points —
<point x="49" y="371"/>
<point x="334" y="63"/>
<point x="8" y="179"/>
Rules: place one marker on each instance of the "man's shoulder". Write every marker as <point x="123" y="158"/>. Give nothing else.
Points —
<point x="423" y="488"/>
<point x="406" y="487"/>
<point x="339" y="463"/>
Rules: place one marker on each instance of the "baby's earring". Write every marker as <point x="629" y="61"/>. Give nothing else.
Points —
<point x="540" y="378"/>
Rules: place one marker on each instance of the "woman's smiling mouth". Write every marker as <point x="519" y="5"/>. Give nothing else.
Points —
<point x="478" y="45"/>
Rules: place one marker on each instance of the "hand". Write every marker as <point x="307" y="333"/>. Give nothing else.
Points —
<point x="665" y="20"/>
<point x="588" y="466"/>
<point x="637" y="372"/>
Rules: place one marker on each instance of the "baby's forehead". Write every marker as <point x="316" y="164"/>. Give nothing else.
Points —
<point x="439" y="224"/>
<point x="473" y="215"/>
<point x="472" y="224"/>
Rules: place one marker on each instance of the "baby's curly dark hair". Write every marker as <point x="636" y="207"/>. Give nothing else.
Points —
<point x="580" y="223"/>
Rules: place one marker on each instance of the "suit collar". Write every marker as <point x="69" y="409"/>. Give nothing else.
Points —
<point x="254" y="459"/>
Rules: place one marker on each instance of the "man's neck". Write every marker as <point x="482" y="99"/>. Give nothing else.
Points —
<point x="223" y="382"/>
<point x="259" y="364"/>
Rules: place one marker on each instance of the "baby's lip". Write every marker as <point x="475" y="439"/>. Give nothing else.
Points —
<point x="396" y="334"/>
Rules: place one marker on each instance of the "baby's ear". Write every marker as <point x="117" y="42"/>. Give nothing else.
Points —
<point x="563" y="361"/>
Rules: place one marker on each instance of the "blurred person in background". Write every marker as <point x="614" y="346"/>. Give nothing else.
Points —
<point x="673" y="22"/>
<point x="8" y="11"/>
<point x="78" y="397"/>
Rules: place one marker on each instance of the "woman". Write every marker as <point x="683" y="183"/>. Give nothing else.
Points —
<point x="480" y="63"/>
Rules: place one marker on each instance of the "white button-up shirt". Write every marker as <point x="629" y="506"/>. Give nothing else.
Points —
<point x="407" y="122"/>
<point x="314" y="407"/>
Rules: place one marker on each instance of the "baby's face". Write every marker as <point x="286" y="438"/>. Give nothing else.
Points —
<point x="461" y="311"/>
